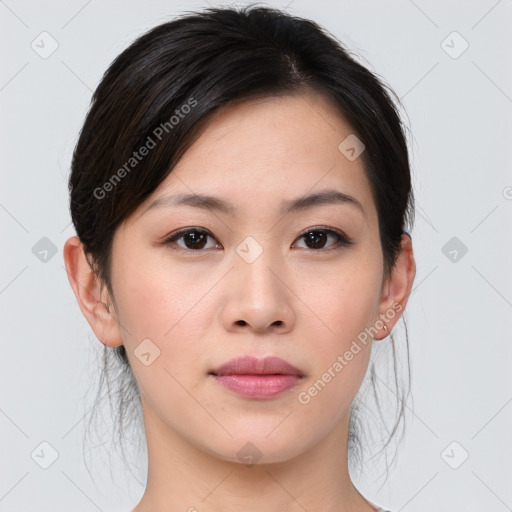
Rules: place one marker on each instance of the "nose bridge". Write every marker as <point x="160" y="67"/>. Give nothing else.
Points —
<point x="257" y="264"/>
<point x="257" y="293"/>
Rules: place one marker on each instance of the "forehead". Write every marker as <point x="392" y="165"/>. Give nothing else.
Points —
<point x="270" y="150"/>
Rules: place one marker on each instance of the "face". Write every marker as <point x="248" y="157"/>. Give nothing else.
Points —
<point x="196" y="285"/>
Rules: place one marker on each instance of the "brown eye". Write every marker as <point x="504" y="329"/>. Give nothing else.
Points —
<point x="193" y="239"/>
<point x="317" y="239"/>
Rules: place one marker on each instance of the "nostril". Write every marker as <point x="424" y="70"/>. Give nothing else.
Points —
<point x="243" y="322"/>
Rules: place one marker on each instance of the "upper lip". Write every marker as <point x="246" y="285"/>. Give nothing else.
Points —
<point x="249" y="365"/>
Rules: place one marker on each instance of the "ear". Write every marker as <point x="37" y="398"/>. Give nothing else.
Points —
<point x="93" y="298"/>
<point x="396" y="289"/>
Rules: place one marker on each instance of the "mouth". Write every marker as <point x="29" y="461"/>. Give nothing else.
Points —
<point x="257" y="378"/>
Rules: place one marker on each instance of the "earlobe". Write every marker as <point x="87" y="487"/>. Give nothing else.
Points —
<point x="92" y="297"/>
<point x="397" y="288"/>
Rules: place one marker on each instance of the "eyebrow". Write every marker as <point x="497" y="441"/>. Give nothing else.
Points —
<point x="214" y="203"/>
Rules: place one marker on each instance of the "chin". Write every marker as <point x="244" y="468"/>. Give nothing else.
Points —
<point x="258" y="447"/>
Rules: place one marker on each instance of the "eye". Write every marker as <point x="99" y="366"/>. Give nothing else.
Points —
<point x="194" y="239"/>
<point x="316" y="238"/>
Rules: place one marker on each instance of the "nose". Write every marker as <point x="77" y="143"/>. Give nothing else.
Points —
<point x="258" y="298"/>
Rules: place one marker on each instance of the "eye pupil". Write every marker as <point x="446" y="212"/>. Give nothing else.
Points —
<point x="195" y="237"/>
<point x="317" y="238"/>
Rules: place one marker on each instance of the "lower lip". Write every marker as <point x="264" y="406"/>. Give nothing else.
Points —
<point x="258" y="386"/>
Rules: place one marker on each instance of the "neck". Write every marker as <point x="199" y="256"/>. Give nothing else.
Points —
<point x="184" y="477"/>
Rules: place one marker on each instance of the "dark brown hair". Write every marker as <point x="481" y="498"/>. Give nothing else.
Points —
<point x="169" y="82"/>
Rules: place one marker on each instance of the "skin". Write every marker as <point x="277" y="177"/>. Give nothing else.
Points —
<point x="304" y="304"/>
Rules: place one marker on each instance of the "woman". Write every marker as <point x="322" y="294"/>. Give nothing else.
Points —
<point x="240" y="190"/>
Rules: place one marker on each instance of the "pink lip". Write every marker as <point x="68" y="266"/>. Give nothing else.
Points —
<point x="257" y="378"/>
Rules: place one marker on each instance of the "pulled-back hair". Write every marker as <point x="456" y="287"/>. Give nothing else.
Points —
<point x="168" y="84"/>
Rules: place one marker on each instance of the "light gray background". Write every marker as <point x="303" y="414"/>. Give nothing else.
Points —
<point x="459" y="314"/>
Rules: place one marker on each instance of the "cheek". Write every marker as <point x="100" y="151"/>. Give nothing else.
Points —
<point x="166" y="309"/>
<point x="344" y="298"/>
<point x="157" y="299"/>
<point x="167" y="306"/>
<point x="345" y="304"/>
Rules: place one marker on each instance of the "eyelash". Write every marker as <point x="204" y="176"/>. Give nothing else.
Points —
<point x="341" y="239"/>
